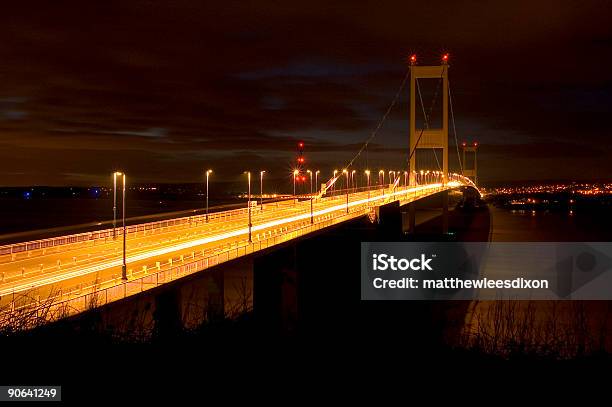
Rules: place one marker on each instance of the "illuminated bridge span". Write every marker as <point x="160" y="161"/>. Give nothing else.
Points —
<point x="76" y="272"/>
<point x="69" y="274"/>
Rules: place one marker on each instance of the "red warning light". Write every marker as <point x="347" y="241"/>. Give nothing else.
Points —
<point x="413" y="59"/>
<point x="301" y="160"/>
<point x="475" y="144"/>
<point x="445" y="58"/>
<point x="301" y="144"/>
<point x="464" y="144"/>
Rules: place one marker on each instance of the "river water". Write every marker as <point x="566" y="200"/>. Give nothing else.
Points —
<point x="565" y="329"/>
<point x="61" y="216"/>
<point x="550" y="226"/>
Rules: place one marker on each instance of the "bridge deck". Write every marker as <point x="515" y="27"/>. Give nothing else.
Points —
<point x="73" y="277"/>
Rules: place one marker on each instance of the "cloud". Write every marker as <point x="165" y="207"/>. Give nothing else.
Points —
<point x="175" y="84"/>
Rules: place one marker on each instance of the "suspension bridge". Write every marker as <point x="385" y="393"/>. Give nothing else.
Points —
<point x="65" y="275"/>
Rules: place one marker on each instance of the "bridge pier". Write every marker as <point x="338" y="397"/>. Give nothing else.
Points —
<point x="411" y="214"/>
<point x="188" y="305"/>
<point x="389" y="218"/>
<point x="275" y="282"/>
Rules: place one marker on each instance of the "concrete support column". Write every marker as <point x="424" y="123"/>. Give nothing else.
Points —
<point x="411" y="217"/>
<point x="389" y="219"/>
<point x="275" y="290"/>
<point x="215" y="290"/>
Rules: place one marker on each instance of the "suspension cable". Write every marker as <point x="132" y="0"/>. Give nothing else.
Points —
<point x="384" y="118"/>
<point x="378" y="127"/>
<point x="450" y="102"/>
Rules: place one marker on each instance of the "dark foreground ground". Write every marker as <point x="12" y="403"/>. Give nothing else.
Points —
<point x="338" y="345"/>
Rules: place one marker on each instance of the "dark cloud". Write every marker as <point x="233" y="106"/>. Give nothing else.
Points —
<point x="166" y="88"/>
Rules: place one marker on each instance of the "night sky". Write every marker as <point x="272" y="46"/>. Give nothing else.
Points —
<point x="165" y="90"/>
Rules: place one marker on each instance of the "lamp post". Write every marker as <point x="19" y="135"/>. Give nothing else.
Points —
<point x="334" y="184"/>
<point x="207" y="175"/>
<point x="311" y="198"/>
<point x="367" y="173"/>
<point x="115" y="203"/>
<point x="347" y="191"/>
<point x="317" y="179"/>
<point x="405" y="179"/>
<point x="310" y="174"/>
<point x="261" y="174"/>
<point x="353" y="181"/>
<point x="124" y="266"/>
<point x="248" y="173"/>
<point x="381" y="177"/>
<point x="295" y="174"/>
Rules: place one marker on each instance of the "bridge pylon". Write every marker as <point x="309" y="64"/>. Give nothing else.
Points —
<point x="429" y="138"/>
<point x="470" y="172"/>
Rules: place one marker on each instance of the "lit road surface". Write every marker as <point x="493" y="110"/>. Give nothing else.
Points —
<point x="97" y="263"/>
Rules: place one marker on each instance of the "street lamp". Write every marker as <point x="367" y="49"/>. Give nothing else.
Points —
<point x="261" y="173"/>
<point x="310" y="174"/>
<point x="367" y="173"/>
<point x="317" y="179"/>
<point x="334" y="184"/>
<point x="115" y="174"/>
<point x="124" y="265"/>
<point x="406" y="179"/>
<point x="207" y="175"/>
<point x="353" y="182"/>
<point x="381" y="177"/>
<point x="344" y="171"/>
<point x="311" y="197"/>
<point x="295" y="174"/>
<point x="248" y="173"/>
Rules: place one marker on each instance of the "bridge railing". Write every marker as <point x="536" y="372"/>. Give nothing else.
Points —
<point x="106" y="234"/>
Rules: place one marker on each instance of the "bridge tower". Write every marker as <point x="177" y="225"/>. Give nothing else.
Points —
<point x="470" y="172"/>
<point x="429" y="138"/>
